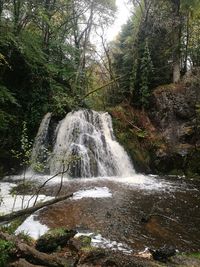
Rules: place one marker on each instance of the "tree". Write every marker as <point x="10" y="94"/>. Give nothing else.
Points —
<point x="146" y="72"/>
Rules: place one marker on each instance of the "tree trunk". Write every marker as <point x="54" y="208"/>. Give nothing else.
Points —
<point x="33" y="256"/>
<point x="176" y="40"/>
<point x="1" y="8"/>
<point x="176" y="71"/>
<point x="11" y="216"/>
<point x="186" y="45"/>
<point x="17" y="6"/>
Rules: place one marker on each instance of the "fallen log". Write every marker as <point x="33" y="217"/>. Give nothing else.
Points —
<point x="11" y="216"/>
<point x="33" y="256"/>
<point x="103" y="86"/>
<point x="24" y="263"/>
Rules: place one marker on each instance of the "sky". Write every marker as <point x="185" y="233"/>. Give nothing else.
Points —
<point x="123" y="13"/>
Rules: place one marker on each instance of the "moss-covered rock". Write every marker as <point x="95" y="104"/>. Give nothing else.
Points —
<point x="186" y="260"/>
<point x="81" y="243"/>
<point x="166" y="138"/>
<point x="53" y="239"/>
<point x="135" y="132"/>
<point x="192" y="163"/>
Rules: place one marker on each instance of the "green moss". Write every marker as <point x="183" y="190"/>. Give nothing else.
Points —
<point x="85" y="240"/>
<point x="131" y="141"/>
<point x="54" y="239"/>
<point x="195" y="255"/>
<point x="55" y="232"/>
<point x="88" y="249"/>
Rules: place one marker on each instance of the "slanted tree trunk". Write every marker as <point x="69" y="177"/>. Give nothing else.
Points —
<point x="11" y="216"/>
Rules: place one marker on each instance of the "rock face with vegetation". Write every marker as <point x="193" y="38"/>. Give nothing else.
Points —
<point x="175" y="115"/>
<point x="165" y="139"/>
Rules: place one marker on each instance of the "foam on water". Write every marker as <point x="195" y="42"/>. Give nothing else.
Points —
<point x="98" y="241"/>
<point x="32" y="227"/>
<point x="96" y="192"/>
<point x="137" y="181"/>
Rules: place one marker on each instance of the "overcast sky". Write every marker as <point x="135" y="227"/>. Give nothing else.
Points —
<point x="122" y="16"/>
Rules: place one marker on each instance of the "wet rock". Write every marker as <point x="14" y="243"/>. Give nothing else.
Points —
<point x="163" y="253"/>
<point x="108" y="214"/>
<point x="80" y="243"/>
<point x="185" y="261"/>
<point x="92" y="258"/>
<point x="53" y="239"/>
<point x="174" y="115"/>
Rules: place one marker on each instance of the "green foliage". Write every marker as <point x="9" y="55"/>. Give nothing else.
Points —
<point x="5" y="248"/>
<point x="6" y="99"/>
<point x="11" y="227"/>
<point x="26" y="238"/>
<point x="6" y="96"/>
<point x="194" y="255"/>
<point x="147" y="49"/>
<point x="123" y="61"/>
<point x="24" y="155"/>
<point x="146" y="72"/>
<point x="62" y="102"/>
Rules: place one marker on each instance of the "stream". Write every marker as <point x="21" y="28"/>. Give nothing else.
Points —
<point x="114" y="211"/>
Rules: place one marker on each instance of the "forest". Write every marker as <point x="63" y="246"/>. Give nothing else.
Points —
<point x="49" y="60"/>
<point x="56" y="59"/>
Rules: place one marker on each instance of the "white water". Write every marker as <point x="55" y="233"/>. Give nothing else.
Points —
<point x="32" y="227"/>
<point x="11" y="202"/>
<point x="98" y="241"/>
<point x="85" y="144"/>
<point x="96" y="192"/>
<point x="39" y="152"/>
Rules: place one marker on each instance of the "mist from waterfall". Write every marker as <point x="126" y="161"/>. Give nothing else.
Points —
<point x="82" y="144"/>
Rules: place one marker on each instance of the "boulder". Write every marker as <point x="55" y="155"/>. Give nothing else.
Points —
<point x="53" y="239"/>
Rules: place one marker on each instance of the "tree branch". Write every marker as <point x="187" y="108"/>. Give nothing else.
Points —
<point x="11" y="216"/>
<point x="103" y="86"/>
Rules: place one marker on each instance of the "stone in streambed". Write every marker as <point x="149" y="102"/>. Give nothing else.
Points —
<point x="53" y="239"/>
<point x="80" y="243"/>
<point x="162" y="254"/>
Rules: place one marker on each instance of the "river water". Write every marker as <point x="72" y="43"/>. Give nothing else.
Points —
<point x="117" y="209"/>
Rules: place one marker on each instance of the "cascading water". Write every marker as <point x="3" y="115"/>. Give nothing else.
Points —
<point x="84" y="146"/>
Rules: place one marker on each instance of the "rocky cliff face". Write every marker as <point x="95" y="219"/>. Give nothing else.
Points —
<point x="166" y="140"/>
<point x="174" y="114"/>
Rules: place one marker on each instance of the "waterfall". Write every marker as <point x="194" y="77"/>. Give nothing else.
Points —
<point x="40" y="147"/>
<point x="84" y="145"/>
